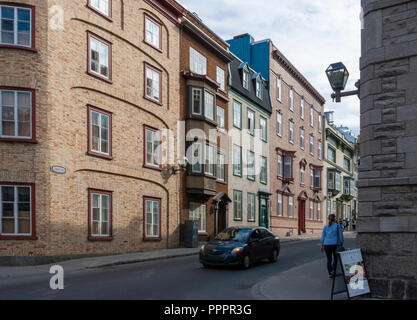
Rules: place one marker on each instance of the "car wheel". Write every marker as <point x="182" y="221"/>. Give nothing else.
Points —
<point x="274" y="256"/>
<point x="246" y="262"/>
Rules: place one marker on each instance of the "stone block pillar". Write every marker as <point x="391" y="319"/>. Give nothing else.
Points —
<point x="387" y="218"/>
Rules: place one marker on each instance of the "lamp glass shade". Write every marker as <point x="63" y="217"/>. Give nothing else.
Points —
<point x="338" y="76"/>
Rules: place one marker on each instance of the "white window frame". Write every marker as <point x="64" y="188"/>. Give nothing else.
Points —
<point x="155" y="88"/>
<point x="320" y="150"/>
<point x="198" y="62"/>
<point x="291" y="132"/>
<point x="291" y="99"/>
<point x="237" y="166"/>
<point x="279" y="88"/>
<point x="259" y="88"/>
<point x="15" y="211"/>
<point x="302" y="139"/>
<point x="312" y="145"/>
<point x="312" y="117"/>
<point x="263" y="175"/>
<point x="152" y="32"/>
<point x="100" y="221"/>
<point x="100" y="138"/>
<point x="16" y="114"/>
<point x="198" y="212"/>
<point x="251" y="121"/>
<point x="251" y="165"/>
<point x="280" y="205"/>
<point x="15" y="26"/>
<point x="200" y="93"/>
<point x="280" y="166"/>
<point x="302" y="175"/>
<point x="221" y="118"/>
<point x="302" y="108"/>
<point x="221" y="78"/>
<point x="235" y="118"/>
<point x="311" y="210"/>
<point x="264" y="128"/>
<point x="210" y="158"/>
<point x="246" y="79"/>
<point x="279" y="124"/>
<point x="156" y="148"/>
<point x="100" y="61"/>
<point x="156" y="218"/>
<point x="209" y="105"/>
<point x="221" y="167"/>
<point x="290" y="207"/>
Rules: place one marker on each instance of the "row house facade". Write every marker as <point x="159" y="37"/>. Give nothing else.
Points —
<point x="340" y="167"/>
<point x="295" y="139"/>
<point x="204" y="92"/>
<point x="249" y="116"/>
<point x="89" y="106"/>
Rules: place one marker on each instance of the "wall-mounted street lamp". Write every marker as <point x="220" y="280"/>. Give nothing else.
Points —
<point x="338" y="76"/>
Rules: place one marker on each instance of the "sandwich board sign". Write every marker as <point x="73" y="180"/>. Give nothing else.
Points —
<point x="351" y="275"/>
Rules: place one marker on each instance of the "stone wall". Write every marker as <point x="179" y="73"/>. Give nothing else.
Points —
<point x="387" y="221"/>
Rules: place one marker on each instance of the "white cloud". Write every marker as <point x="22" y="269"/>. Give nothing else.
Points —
<point x="311" y="34"/>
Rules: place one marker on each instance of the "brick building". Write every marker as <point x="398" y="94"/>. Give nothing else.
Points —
<point x="295" y="138"/>
<point x="387" y="223"/>
<point x="90" y="102"/>
<point x="204" y="92"/>
<point x="249" y="115"/>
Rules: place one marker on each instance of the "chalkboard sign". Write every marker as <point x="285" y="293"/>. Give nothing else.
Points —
<point x="351" y="276"/>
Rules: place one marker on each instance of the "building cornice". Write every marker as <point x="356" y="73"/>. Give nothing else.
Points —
<point x="169" y="8"/>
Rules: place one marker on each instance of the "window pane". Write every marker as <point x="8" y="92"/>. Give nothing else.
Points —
<point x="8" y="226"/>
<point x="8" y="210"/>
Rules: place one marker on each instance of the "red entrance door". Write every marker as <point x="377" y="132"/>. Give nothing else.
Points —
<point x="302" y="217"/>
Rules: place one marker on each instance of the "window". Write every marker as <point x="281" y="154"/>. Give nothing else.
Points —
<point x="16" y="212"/>
<point x="330" y="180"/>
<point x="311" y="145"/>
<point x="198" y="62"/>
<point x="338" y="181"/>
<point x="237" y="161"/>
<point x="280" y="208"/>
<point x="331" y="154"/>
<point x="197" y="96"/>
<point x="17" y="26"/>
<point x="320" y="123"/>
<point x="153" y="83"/>
<point x="279" y="89"/>
<point x="264" y="170"/>
<point x="302" y="138"/>
<point x="221" y="167"/>
<point x="319" y="211"/>
<point x="259" y="88"/>
<point x="288" y="167"/>
<point x="17" y="119"/>
<point x="211" y="161"/>
<point x="280" y="166"/>
<point x="346" y="164"/>
<point x="264" y="128"/>
<point x="279" y="124"/>
<point x="221" y="118"/>
<point x="103" y="6"/>
<point x="291" y="99"/>
<point x="346" y="186"/>
<point x="311" y="116"/>
<point x="100" y="214"/>
<point x="302" y="109"/>
<point x="99" y="57"/>
<point x="153" y="32"/>
<point x="251" y="122"/>
<point x="209" y="105"/>
<point x="311" y="210"/>
<point x="220" y="78"/>
<point x="251" y="165"/>
<point x="320" y="150"/>
<point x="312" y="178"/>
<point x="316" y="178"/>
<point x="99" y="132"/>
<point x="198" y="213"/>
<point x="251" y="207"/>
<point x="303" y="174"/>
<point x="245" y="79"/>
<point x="237" y="114"/>
<point x="237" y="205"/>
<point x="152" y="148"/>
<point x="290" y="207"/>
<point x="329" y="207"/>
<point x="152" y="219"/>
<point x="291" y="132"/>
<point x="196" y="158"/>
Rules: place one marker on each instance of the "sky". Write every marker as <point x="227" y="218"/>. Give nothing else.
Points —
<point x="311" y="34"/>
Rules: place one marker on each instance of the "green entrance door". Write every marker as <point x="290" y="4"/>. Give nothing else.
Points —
<point x="263" y="212"/>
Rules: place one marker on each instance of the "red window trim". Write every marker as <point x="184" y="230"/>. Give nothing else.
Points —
<point x="320" y="169"/>
<point x="107" y="17"/>
<point x="284" y="154"/>
<point x="33" y="139"/>
<point x="32" y="207"/>
<point x="110" y="45"/>
<point x="33" y="34"/>
<point x="89" y="150"/>
<point x="148" y="66"/>
<point x="146" y="165"/>
<point x="150" y="239"/>
<point x="99" y="238"/>
<point x="148" y="16"/>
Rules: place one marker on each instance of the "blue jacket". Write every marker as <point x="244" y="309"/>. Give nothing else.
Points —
<point x="329" y="235"/>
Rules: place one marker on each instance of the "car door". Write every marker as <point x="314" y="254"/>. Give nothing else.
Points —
<point x="255" y="245"/>
<point x="266" y="243"/>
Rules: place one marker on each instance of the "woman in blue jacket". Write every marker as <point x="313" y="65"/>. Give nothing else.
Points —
<point x="329" y="243"/>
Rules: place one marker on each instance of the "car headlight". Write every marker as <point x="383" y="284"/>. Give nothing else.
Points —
<point x="237" y="250"/>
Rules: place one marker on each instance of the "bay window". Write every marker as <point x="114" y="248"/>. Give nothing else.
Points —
<point x="210" y="160"/>
<point x="196" y="101"/>
<point x="209" y="105"/>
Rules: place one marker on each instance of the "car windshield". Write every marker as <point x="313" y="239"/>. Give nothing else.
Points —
<point x="240" y="235"/>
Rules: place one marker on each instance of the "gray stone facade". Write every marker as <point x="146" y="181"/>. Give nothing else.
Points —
<point x="387" y="222"/>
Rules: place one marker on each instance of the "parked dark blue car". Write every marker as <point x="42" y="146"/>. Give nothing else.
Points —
<point x="239" y="246"/>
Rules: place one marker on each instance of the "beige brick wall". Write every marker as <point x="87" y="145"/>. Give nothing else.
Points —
<point x="58" y="71"/>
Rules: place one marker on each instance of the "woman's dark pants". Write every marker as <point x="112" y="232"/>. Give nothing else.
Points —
<point x="331" y="257"/>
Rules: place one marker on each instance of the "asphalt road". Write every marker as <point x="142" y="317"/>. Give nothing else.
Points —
<point x="172" y="279"/>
